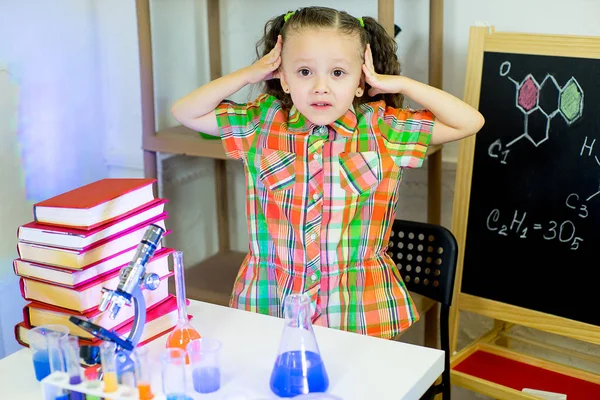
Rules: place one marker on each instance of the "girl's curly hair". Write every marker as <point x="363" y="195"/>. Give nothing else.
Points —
<point x="383" y="46"/>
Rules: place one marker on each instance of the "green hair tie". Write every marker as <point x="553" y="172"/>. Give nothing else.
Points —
<point x="288" y="16"/>
<point x="362" y="23"/>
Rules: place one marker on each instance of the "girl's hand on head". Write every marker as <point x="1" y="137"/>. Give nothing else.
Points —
<point x="266" y="68"/>
<point x="379" y="83"/>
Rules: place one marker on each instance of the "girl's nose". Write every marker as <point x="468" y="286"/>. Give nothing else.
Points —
<point x="321" y="86"/>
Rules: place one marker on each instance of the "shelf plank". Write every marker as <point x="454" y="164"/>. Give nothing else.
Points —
<point x="182" y="140"/>
<point x="212" y="279"/>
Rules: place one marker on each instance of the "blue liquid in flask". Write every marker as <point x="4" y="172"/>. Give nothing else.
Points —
<point x="288" y="378"/>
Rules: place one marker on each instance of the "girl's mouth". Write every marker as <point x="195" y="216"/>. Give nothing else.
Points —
<point x="321" y="105"/>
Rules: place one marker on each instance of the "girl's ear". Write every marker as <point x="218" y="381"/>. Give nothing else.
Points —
<point x="360" y="90"/>
<point x="282" y="80"/>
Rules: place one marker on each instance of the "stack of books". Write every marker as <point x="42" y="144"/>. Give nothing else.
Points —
<point x="77" y="243"/>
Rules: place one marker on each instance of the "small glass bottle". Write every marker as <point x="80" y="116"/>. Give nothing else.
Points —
<point x="173" y="374"/>
<point x="298" y="368"/>
<point x="204" y="356"/>
<point x="183" y="333"/>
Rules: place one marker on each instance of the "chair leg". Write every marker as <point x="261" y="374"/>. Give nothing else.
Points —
<point x="446" y="391"/>
<point x="445" y="345"/>
<point x="429" y="394"/>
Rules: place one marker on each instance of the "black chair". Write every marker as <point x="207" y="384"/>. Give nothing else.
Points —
<point x="426" y="254"/>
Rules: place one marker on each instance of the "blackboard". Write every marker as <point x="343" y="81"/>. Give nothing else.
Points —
<point x="533" y="231"/>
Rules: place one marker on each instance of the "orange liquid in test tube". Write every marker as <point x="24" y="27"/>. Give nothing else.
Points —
<point x="145" y="391"/>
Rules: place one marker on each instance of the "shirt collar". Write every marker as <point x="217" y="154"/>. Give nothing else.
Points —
<point x="344" y="125"/>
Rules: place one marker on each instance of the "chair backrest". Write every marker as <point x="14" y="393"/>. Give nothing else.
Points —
<point x="425" y="255"/>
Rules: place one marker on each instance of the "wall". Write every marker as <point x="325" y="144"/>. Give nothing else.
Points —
<point x="51" y="121"/>
<point x="14" y="210"/>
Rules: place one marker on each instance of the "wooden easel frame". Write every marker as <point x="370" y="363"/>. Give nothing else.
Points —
<point x="481" y="40"/>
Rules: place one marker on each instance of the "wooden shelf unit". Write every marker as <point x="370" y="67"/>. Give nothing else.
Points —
<point x="182" y="140"/>
<point x="211" y="279"/>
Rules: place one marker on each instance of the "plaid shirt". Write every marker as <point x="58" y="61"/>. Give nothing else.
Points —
<point x="320" y="204"/>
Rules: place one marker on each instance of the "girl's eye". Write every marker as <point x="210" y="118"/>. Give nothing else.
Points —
<point x="304" y="72"/>
<point x="338" y="73"/>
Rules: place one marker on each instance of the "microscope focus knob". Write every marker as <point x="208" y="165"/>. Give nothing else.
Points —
<point x="151" y="281"/>
<point x="124" y="272"/>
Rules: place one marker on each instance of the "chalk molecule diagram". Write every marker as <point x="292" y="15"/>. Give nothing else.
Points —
<point x="546" y="99"/>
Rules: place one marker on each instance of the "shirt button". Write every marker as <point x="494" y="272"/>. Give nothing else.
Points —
<point x="313" y="236"/>
<point x="317" y="156"/>
<point x="313" y="277"/>
<point x="315" y="197"/>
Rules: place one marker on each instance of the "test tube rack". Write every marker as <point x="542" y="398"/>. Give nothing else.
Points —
<point x="60" y="380"/>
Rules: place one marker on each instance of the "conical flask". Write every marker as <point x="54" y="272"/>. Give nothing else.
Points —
<point x="183" y="333"/>
<point x="298" y="368"/>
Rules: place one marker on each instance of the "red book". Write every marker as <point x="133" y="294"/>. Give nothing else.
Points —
<point x="95" y="204"/>
<point x="88" y="296"/>
<point x="160" y="319"/>
<point x="38" y="314"/>
<point x="71" y="277"/>
<point x="78" y="239"/>
<point x="79" y="259"/>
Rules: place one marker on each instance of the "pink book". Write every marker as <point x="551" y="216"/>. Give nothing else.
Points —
<point x="38" y="314"/>
<point x="74" y="278"/>
<point x="79" y="259"/>
<point x="78" y="239"/>
<point x="160" y="319"/>
<point x="88" y="296"/>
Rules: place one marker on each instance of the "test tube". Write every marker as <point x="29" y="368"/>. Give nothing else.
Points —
<point x="38" y="343"/>
<point x="92" y="382"/>
<point x="173" y="373"/>
<point x="73" y="364"/>
<point x="142" y="373"/>
<point x="125" y="366"/>
<point x="109" y="368"/>
<point x="57" y="365"/>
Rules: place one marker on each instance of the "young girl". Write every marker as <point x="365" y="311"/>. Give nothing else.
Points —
<point x="323" y="152"/>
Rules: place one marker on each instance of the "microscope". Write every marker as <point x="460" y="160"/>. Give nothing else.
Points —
<point x="132" y="279"/>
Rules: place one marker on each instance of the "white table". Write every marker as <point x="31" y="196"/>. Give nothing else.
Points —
<point x="359" y="367"/>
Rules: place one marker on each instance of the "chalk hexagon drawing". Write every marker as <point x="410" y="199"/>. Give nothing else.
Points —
<point x="570" y="101"/>
<point x="528" y="94"/>
<point x="541" y="102"/>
